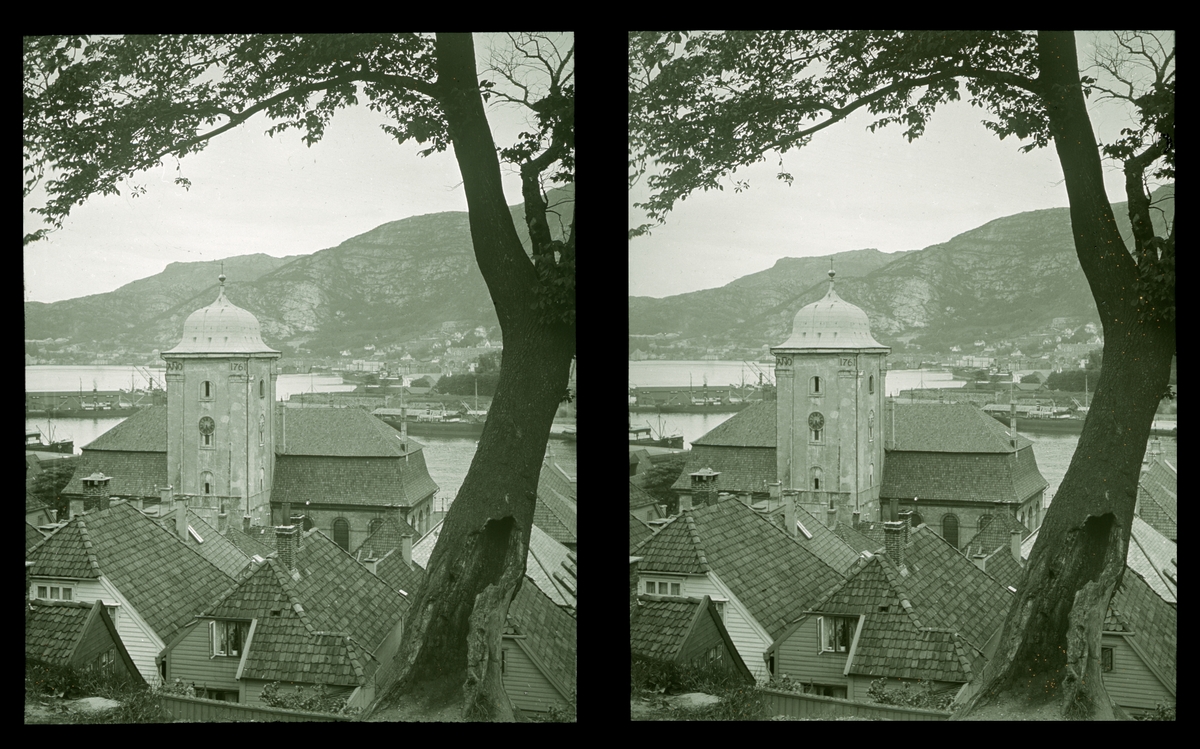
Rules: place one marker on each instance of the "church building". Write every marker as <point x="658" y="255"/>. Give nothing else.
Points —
<point x="834" y="445"/>
<point x="225" y="447"/>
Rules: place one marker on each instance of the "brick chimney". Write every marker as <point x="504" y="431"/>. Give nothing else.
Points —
<point x="775" y="488"/>
<point x="906" y="518"/>
<point x="298" y="521"/>
<point x="75" y="507"/>
<point x="286" y="517"/>
<point x="830" y="518"/>
<point x="895" y="509"/>
<point x="685" y="502"/>
<point x="856" y="521"/>
<point x="1015" y="545"/>
<point x="245" y="523"/>
<point x="789" y="513"/>
<point x="95" y="491"/>
<point x="222" y="522"/>
<point x="285" y="544"/>
<point x="893" y="537"/>
<point x="164" y="500"/>
<point x="181" y="523"/>
<point x="406" y="548"/>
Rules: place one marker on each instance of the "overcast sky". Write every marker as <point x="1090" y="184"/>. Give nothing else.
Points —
<point x="855" y="189"/>
<point x="250" y="194"/>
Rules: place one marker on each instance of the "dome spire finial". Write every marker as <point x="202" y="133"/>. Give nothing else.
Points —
<point x="831" y="274"/>
<point x="221" y="277"/>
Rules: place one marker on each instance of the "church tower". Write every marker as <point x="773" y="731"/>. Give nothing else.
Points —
<point x="220" y="401"/>
<point x="830" y="384"/>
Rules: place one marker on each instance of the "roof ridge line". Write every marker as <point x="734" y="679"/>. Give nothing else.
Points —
<point x="696" y="544"/>
<point x="88" y="547"/>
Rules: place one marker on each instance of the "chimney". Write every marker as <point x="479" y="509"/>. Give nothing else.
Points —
<point x="1015" y="544"/>
<point x="181" y="523"/>
<point x="906" y="520"/>
<point x="222" y="522"/>
<point x="406" y="548"/>
<point x="164" y="500"/>
<point x="372" y="564"/>
<point x="95" y="491"/>
<point x="744" y="498"/>
<point x="137" y="502"/>
<point x="75" y="507"/>
<point x="285" y="544"/>
<point x="286" y="517"/>
<point x="245" y="523"/>
<point x="775" y="488"/>
<point x="789" y="513"/>
<point x="893" y="537"/>
<point x="685" y="502"/>
<point x="895" y="503"/>
<point x="298" y="521"/>
<point x="856" y="520"/>
<point x="831" y="518"/>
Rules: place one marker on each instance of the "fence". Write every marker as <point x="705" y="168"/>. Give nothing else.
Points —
<point x="200" y="710"/>
<point x="813" y="706"/>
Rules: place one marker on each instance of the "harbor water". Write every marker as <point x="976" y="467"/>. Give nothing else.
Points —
<point x="448" y="458"/>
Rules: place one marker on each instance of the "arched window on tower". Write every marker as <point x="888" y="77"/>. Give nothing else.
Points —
<point x="816" y="385"/>
<point x="871" y="384"/>
<point x="206" y="390"/>
<point x="206" y="482"/>
<point x="950" y="529"/>
<point x="262" y="388"/>
<point x="341" y="533"/>
<point x="816" y="477"/>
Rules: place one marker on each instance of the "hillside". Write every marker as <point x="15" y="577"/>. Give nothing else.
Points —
<point x="393" y="283"/>
<point x="1006" y="278"/>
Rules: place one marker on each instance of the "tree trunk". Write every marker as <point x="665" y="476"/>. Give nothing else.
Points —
<point x="1049" y="652"/>
<point x="455" y="622"/>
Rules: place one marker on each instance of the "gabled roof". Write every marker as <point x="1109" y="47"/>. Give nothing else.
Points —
<point x="753" y="426"/>
<point x="549" y="636"/>
<point x="823" y="542"/>
<point x="660" y="626"/>
<point x="388" y="536"/>
<point x="337" y="432"/>
<point x="978" y="477"/>
<point x="1001" y="565"/>
<point x="162" y="578"/>
<point x="554" y="512"/>
<point x="54" y="629"/>
<point x="773" y="575"/>
<point x="33" y="536"/>
<point x="134" y="474"/>
<point x="994" y="532"/>
<point x="742" y="469"/>
<point x="145" y="431"/>
<point x="257" y="541"/>
<point x="945" y="427"/>
<point x="639" y="497"/>
<point x="638" y="531"/>
<point x="214" y="547"/>
<point x="864" y="537"/>
<point x="1154" y="624"/>
<point x="402" y="578"/>
<point x="1157" y="499"/>
<point x="320" y="480"/>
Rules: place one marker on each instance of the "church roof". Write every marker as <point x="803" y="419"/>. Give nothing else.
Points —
<point x="974" y="477"/>
<point x="145" y="431"/>
<point x="742" y="469"/>
<point x="221" y="328"/>
<point x="753" y="426"/>
<point x="346" y="480"/>
<point x="831" y="322"/>
<point x="945" y="427"/>
<point x="338" y="432"/>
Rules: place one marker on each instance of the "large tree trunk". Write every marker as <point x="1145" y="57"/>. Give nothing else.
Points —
<point x="455" y="622"/>
<point x="1049" y="653"/>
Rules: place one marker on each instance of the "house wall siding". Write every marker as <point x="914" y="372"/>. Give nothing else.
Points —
<point x="525" y="685"/>
<point x="140" y="640"/>
<point x="95" y="641"/>
<point x="797" y="656"/>
<point x="703" y="638"/>
<point x="747" y="636"/>
<point x="1131" y="684"/>
<point x="190" y="660"/>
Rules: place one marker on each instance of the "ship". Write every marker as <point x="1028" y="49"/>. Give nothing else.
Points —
<point x="35" y="441"/>
<point x="645" y="436"/>
<point x="431" y="422"/>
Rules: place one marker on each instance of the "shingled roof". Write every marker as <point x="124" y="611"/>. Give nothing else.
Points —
<point x="1157" y="496"/>
<point x="550" y="636"/>
<point x="134" y="474"/>
<point x="945" y="427"/>
<point x="53" y="629"/>
<point x="554" y="512"/>
<point x="742" y="469"/>
<point x="214" y="547"/>
<point x="772" y="574"/>
<point x="1153" y="622"/>
<point x="388" y="536"/>
<point x="638" y="531"/>
<point x="994" y="532"/>
<point x="380" y="481"/>
<point x="977" y="477"/>
<point x="820" y="540"/>
<point x="402" y="578"/>
<point x="145" y="431"/>
<point x="753" y="426"/>
<point x="337" y="432"/>
<point x="164" y="580"/>
<point x="659" y="626"/>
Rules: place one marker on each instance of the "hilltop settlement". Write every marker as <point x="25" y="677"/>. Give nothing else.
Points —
<point x="228" y="546"/>
<point x="830" y="542"/>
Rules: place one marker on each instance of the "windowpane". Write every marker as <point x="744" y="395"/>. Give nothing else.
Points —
<point x="674" y="589"/>
<point x="54" y="593"/>
<point x="43" y="592"/>
<point x="662" y="589"/>
<point x="1106" y="659"/>
<point x="650" y="588"/>
<point x="66" y="594"/>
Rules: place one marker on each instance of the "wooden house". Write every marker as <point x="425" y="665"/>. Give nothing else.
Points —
<point x="758" y="577"/>
<point x="684" y="631"/>
<point x="76" y="634"/>
<point x="308" y="616"/>
<point x="920" y="611"/>
<point x="151" y="583"/>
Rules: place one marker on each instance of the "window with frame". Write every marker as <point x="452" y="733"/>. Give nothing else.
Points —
<point x="871" y="384"/>
<point x="815" y="385"/>
<point x="262" y="388"/>
<point x="206" y="482"/>
<point x="206" y="390"/>
<point x="663" y="588"/>
<point x="228" y="637"/>
<point x="834" y="633"/>
<point x="53" y="593"/>
<point x="1106" y="659"/>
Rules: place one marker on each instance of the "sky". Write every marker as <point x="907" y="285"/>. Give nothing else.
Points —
<point x="254" y="194"/>
<point x="855" y="189"/>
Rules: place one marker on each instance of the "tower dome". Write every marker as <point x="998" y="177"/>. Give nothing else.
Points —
<point x="831" y="322"/>
<point x="221" y="328"/>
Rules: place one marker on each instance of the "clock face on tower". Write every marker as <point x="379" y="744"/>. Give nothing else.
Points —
<point x="207" y="425"/>
<point x="816" y="420"/>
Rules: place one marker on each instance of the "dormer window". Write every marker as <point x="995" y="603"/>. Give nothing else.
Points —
<point x="227" y="638"/>
<point x="834" y="633"/>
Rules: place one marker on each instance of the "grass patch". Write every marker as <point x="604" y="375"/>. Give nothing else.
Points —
<point x="652" y="681"/>
<point x="139" y="703"/>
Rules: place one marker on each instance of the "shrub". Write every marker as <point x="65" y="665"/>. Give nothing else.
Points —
<point x="1160" y="712"/>
<point x="139" y="703"/>
<point x="920" y="695"/>
<point x="316" y="699"/>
